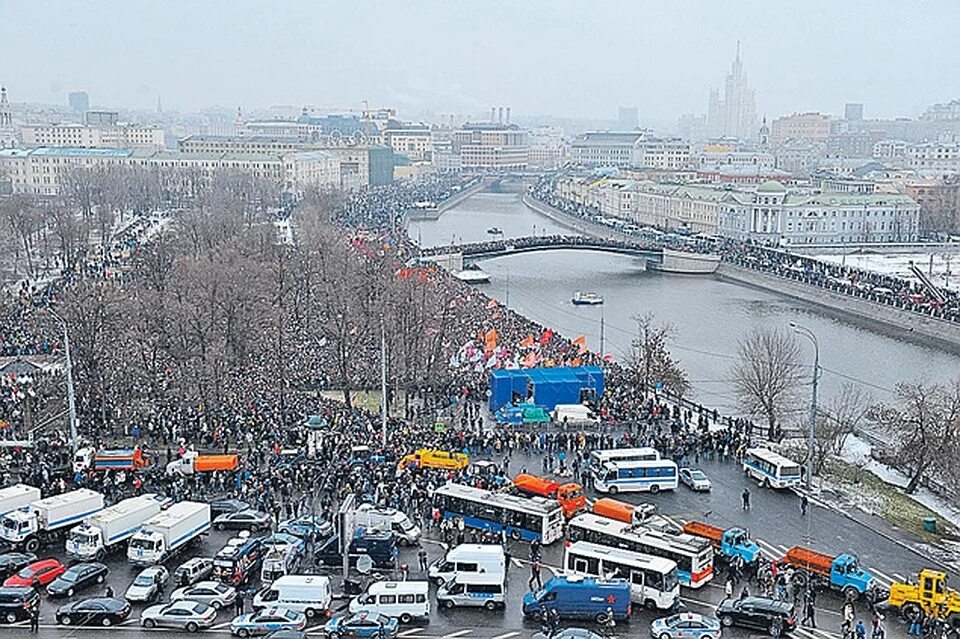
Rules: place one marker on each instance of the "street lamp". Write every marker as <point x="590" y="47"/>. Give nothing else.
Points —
<point x="71" y="402"/>
<point x="806" y="332"/>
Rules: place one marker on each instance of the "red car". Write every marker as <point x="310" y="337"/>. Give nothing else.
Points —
<point x="42" y="572"/>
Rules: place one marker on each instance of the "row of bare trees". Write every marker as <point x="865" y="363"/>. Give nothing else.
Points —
<point x="920" y="424"/>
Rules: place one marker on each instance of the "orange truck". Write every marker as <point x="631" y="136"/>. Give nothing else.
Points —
<point x="730" y="542"/>
<point x="622" y="511"/>
<point x="192" y="462"/>
<point x="839" y="572"/>
<point x="569" y="495"/>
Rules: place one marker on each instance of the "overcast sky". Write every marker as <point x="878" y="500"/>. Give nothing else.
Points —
<point x="542" y="57"/>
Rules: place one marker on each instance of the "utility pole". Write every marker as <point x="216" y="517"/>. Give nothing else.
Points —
<point x="383" y="383"/>
<point x="71" y="400"/>
<point x="806" y="332"/>
<point x="601" y="331"/>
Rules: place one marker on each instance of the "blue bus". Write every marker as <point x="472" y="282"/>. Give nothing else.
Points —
<point x="523" y="518"/>
<point x="639" y="475"/>
<point x="771" y="469"/>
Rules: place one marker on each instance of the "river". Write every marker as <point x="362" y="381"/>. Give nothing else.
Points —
<point x="708" y="316"/>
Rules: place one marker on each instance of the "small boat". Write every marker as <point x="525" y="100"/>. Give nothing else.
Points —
<point x="494" y="231"/>
<point x="472" y="274"/>
<point x="586" y="299"/>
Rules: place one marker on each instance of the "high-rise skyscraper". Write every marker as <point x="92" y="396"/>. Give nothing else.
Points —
<point x="735" y="115"/>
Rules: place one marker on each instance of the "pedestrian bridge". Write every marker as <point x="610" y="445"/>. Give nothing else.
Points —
<point x="455" y="257"/>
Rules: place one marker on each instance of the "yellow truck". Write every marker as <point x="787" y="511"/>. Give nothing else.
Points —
<point x="930" y="596"/>
<point x="432" y="458"/>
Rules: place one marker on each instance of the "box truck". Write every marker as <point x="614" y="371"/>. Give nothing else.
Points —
<point x="44" y="520"/>
<point x="17" y="496"/>
<point x="110" y="528"/>
<point x="169" y="532"/>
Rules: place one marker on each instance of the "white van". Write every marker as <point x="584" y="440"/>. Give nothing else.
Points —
<point x="388" y="519"/>
<point x="406" y="600"/>
<point x="475" y="589"/>
<point x="468" y="558"/>
<point x="309" y="594"/>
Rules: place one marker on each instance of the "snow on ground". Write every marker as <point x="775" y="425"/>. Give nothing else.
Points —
<point x="946" y="265"/>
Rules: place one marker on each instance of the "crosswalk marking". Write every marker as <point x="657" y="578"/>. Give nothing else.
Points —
<point x="220" y="625"/>
<point x="883" y="578"/>
<point x="768" y="549"/>
<point x="458" y="633"/>
<point x="407" y="633"/>
<point x="507" y="635"/>
<point x="899" y="576"/>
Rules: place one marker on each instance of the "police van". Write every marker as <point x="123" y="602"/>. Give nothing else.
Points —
<point x="473" y="589"/>
<point x="406" y="600"/>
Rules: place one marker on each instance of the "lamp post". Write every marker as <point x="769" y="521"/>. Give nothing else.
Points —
<point x="806" y="332"/>
<point x="71" y="402"/>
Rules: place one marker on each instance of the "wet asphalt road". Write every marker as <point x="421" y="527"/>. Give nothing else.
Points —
<point x="774" y="520"/>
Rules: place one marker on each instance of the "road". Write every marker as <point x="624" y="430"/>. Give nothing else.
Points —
<point x="774" y="520"/>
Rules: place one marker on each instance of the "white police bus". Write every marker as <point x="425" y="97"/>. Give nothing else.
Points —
<point x="771" y="469"/>
<point x="693" y="555"/>
<point x="632" y="476"/>
<point x="600" y="457"/>
<point x="653" y="580"/>
<point x="522" y="518"/>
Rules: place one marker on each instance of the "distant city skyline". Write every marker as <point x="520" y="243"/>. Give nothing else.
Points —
<point x="545" y="58"/>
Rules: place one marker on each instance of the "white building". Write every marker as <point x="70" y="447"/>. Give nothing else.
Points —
<point x="492" y="146"/>
<point x="942" y="158"/>
<point x="734" y="115"/>
<point x="629" y="149"/>
<point x="119" y="136"/>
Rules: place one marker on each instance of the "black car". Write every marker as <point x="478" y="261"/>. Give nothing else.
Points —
<point x="758" y="613"/>
<point x="221" y="506"/>
<point x="97" y="611"/>
<point x="76" y="578"/>
<point x="16" y="602"/>
<point x="244" y="520"/>
<point x="12" y="562"/>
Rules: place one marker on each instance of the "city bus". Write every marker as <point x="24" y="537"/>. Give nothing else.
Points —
<point x="693" y="555"/>
<point x="600" y="457"/>
<point x="771" y="469"/>
<point x="632" y="476"/>
<point x="653" y="580"/>
<point x="523" y="518"/>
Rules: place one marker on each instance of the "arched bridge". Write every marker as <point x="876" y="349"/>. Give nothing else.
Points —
<point x="479" y="251"/>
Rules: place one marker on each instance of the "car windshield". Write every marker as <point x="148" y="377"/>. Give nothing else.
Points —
<point x="69" y="577"/>
<point x="698" y="475"/>
<point x="26" y="573"/>
<point x="198" y="609"/>
<point x="670" y="581"/>
<point x="143" y="580"/>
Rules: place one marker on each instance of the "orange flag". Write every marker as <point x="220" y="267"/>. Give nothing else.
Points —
<point x="491" y="339"/>
<point x="580" y="341"/>
<point x="575" y="361"/>
<point x="528" y="342"/>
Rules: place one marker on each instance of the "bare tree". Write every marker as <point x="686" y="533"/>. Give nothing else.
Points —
<point x="924" y="429"/>
<point x="649" y="360"/>
<point x="836" y="422"/>
<point x="767" y="374"/>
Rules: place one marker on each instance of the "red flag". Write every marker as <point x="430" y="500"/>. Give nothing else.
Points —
<point x="545" y="337"/>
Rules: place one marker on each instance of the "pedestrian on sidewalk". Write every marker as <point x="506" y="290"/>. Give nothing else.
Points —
<point x="745" y="497"/>
<point x="804" y="504"/>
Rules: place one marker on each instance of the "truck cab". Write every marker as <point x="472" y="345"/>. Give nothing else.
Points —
<point x="147" y="547"/>
<point x="17" y="526"/>
<point x="845" y="572"/>
<point x="736" y="542"/>
<point x="84" y="542"/>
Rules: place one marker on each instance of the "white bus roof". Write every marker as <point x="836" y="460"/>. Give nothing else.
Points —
<point x="537" y="505"/>
<point x="629" y="557"/>
<point x="638" y="532"/>
<point x="638" y="463"/>
<point x="613" y="453"/>
<point x="768" y="455"/>
<point x="301" y="580"/>
<point x="379" y="587"/>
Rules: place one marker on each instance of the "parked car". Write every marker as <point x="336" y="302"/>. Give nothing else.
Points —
<point x="96" y="611"/>
<point x="686" y="625"/>
<point x="211" y="593"/>
<point x="76" y="578"/>
<point x="362" y="625"/>
<point x="267" y="620"/>
<point x="38" y="573"/>
<point x="148" y="585"/>
<point x="244" y="520"/>
<point x="16" y="602"/>
<point x="695" y="479"/>
<point x="305" y="524"/>
<point x="192" y="570"/>
<point x="221" y="506"/>
<point x="757" y="613"/>
<point x="569" y="633"/>
<point x="11" y="562"/>
<point x="185" y="615"/>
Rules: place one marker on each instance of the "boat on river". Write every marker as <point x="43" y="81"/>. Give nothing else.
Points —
<point x="493" y="230"/>
<point x="473" y="274"/>
<point x="586" y="299"/>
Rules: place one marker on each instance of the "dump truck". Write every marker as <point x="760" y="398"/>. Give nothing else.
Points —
<point x="930" y="597"/>
<point x="110" y="528"/>
<point x="119" y="459"/>
<point x="570" y="495"/>
<point x="169" y="532"/>
<point x="192" y="462"/>
<point x="17" y="496"/>
<point x="838" y="572"/>
<point x="623" y="511"/>
<point x="45" y="520"/>
<point x="730" y="543"/>
<point x="432" y="458"/>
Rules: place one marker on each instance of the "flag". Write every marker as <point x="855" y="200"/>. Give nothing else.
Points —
<point x="575" y="361"/>
<point x="527" y="342"/>
<point x="492" y="304"/>
<point x="608" y="357"/>
<point x="580" y="341"/>
<point x="545" y="336"/>
<point x="490" y="339"/>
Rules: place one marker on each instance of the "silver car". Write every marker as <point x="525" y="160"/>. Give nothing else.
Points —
<point x="185" y="615"/>
<point x="148" y="585"/>
<point x="211" y="593"/>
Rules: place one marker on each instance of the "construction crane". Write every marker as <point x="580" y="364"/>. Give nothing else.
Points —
<point x="931" y="290"/>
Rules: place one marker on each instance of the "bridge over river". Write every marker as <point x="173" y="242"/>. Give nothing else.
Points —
<point x="656" y="255"/>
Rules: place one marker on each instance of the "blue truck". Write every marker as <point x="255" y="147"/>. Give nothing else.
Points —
<point x="730" y="543"/>
<point x="840" y="572"/>
<point x="576" y="597"/>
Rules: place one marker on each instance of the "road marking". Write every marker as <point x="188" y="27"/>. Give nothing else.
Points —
<point x="705" y="604"/>
<point x="782" y="547"/>
<point x="768" y="549"/>
<point x="507" y="635"/>
<point x="220" y="625"/>
<point x="900" y="577"/>
<point x="412" y="631"/>
<point x="458" y="633"/>
<point x="516" y="562"/>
